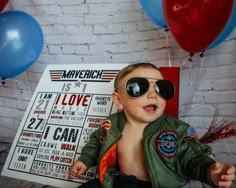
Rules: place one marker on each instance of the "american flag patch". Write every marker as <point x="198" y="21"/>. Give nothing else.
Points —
<point x="192" y="133"/>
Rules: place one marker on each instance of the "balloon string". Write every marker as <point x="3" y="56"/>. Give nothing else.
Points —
<point x="167" y="43"/>
<point x="170" y="65"/>
<point x="189" y="74"/>
<point x="167" y="37"/>
<point x="198" y="80"/>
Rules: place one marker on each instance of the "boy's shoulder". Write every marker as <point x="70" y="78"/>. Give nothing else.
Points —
<point x="176" y="124"/>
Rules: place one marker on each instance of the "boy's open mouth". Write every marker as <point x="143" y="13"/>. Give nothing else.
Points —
<point x="150" y="107"/>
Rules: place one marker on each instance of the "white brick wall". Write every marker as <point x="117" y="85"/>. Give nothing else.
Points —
<point x="118" y="31"/>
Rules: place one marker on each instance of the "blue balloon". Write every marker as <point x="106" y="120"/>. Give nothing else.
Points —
<point x="153" y="8"/>
<point x="21" y="42"/>
<point x="227" y="29"/>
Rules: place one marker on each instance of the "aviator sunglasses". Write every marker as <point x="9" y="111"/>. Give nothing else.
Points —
<point x="138" y="86"/>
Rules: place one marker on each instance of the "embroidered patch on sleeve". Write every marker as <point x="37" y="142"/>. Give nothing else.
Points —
<point x="106" y="125"/>
<point x="192" y="133"/>
<point x="165" y="143"/>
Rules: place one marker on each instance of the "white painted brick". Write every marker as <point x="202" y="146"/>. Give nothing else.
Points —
<point x="76" y="10"/>
<point x="100" y="59"/>
<point x="83" y="39"/>
<point x="111" y="48"/>
<point x="124" y="48"/>
<point x="67" y="20"/>
<point x="82" y="49"/>
<point x="98" y="29"/>
<point x="224" y="47"/>
<point x="227" y="109"/>
<point x="220" y="97"/>
<point x="9" y="93"/>
<point x="116" y="38"/>
<point x="7" y="122"/>
<point x="202" y="110"/>
<point x="24" y="84"/>
<point x="103" y="8"/>
<point x="53" y="10"/>
<point x="8" y="103"/>
<point x="88" y="30"/>
<point x="53" y="29"/>
<point x="218" y="60"/>
<point x="42" y="10"/>
<point x="107" y="1"/>
<point x="66" y="49"/>
<point x="96" y="49"/>
<point x="54" y="49"/>
<point x="34" y="76"/>
<point x="157" y="44"/>
<point x="9" y="132"/>
<point x="44" y="2"/>
<point x="97" y="19"/>
<point x="114" y="28"/>
<point x="26" y="95"/>
<point x="149" y="35"/>
<point x="46" y="20"/>
<point x="8" y="112"/>
<point x="146" y="25"/>
<point x="206" y="85"/>
<point x="126" y="58"/>
<point x="22" y="76"/>
<point x="62" y="59"/>
<point x="224" y="85"/>
<point x="127" y="17"/>
<point x="48" y="59"/>
<point x="72" y="29"/>
<point x="128" y="28"/>
<point x="23" y="2"/>
<point x="135" y="46"/>
<point x="22" y="105"/>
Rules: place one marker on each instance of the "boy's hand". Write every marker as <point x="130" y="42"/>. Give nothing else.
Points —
<point x="222" y="175"/>
<point x="76" y="169"/>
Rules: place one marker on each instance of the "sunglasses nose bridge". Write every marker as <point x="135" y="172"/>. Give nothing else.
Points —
<point x="152" y="92"/>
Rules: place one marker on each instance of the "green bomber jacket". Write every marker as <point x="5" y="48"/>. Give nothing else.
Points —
<point x="172" y="152"/>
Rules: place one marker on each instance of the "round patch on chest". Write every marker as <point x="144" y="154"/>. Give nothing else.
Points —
<point x="165" y="143"/>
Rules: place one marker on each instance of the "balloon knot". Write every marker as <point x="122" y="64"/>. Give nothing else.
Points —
<point x="202" y="53"/>
<point x="3" y="82"/>
<point x="190" y="58"/>
<point x="166" y="29"/>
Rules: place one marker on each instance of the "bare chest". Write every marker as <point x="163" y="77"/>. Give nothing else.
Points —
<point x="130" y="153"/>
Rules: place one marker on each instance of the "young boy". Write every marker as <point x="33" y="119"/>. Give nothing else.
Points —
<point x="140" y="147"/>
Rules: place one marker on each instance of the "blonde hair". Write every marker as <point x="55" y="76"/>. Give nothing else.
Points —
<point x="130" y="68"/>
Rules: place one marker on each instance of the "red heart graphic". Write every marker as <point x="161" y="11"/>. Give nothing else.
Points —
<point x="195" y="24"/>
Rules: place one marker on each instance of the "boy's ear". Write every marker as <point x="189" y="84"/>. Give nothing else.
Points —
<point x="116" y="100"/>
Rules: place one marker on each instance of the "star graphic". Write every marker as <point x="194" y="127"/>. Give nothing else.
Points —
<point x="77" y="84"/>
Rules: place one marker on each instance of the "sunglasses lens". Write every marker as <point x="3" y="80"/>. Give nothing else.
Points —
<point x="165" y="88"/>
<point x="136" y="87"/>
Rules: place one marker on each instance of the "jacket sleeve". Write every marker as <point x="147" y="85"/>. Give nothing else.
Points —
<point x="90" y="152"/>
<point x="194" y="158"/>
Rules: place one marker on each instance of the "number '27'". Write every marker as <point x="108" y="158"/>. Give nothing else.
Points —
<point x="34" y="121"/>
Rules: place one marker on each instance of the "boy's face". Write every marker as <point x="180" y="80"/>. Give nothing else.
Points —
<point x="143" y="109"/>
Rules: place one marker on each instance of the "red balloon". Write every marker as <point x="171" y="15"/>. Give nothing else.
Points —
<point x="195" y="24"/>
<point x="3" y="3"/>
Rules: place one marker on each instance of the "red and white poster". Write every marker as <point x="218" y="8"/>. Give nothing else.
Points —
<point x="69" y="103"/>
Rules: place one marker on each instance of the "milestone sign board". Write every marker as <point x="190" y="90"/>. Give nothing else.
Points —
<point x="69" y="103"/>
